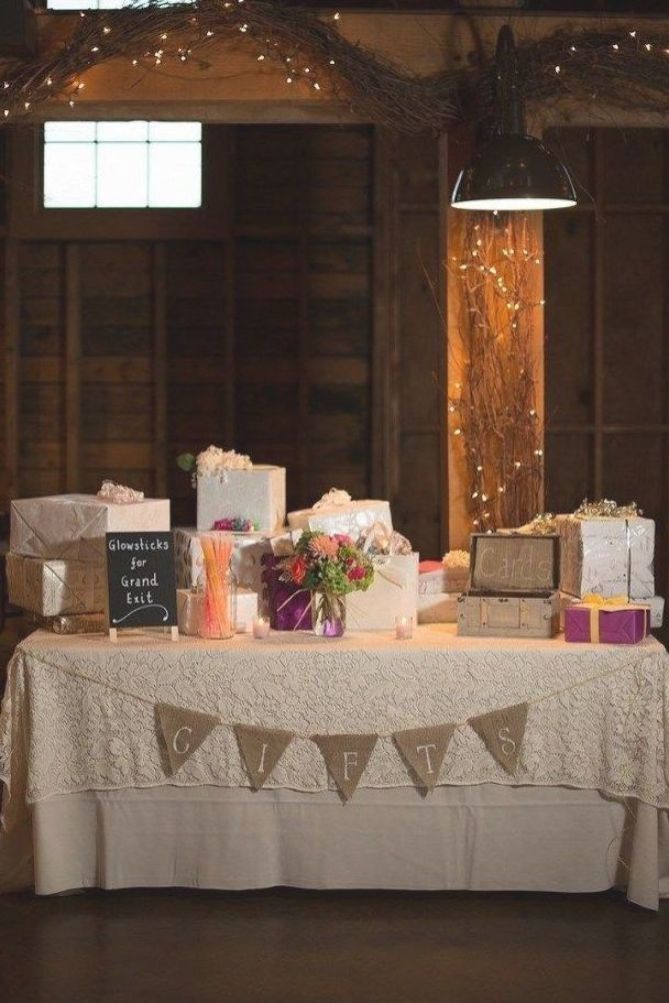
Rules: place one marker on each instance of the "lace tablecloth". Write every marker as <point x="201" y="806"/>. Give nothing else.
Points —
<point x="601" y="721"/>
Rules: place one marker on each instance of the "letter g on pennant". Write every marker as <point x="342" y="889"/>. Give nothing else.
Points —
<point x="184" y="731"/>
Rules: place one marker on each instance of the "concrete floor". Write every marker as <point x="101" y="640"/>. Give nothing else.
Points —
<point x="284" y="946"/>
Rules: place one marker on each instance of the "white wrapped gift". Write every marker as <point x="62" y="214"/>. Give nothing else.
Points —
<point x="608" y="556"/>
<point x="336" y="512"/>
<point x="189" y="610"/>
<point x="438" y="607"/>
<point x="54" y="587"/>
<point x="73" y="527"/>
<point x="247" y="556"/>
<point x="257" y="494"/>
<point x="440" y="580"/>
<point x="393" y="593"/>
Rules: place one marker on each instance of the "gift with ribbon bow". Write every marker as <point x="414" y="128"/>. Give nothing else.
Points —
<point x="611" y="620"/>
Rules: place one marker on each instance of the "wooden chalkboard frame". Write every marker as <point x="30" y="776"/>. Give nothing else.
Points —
<point x="141" y="582"/>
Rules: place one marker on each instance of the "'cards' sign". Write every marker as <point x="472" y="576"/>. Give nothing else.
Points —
<point x="514" y="563"/>
<point x="140" y="575"/>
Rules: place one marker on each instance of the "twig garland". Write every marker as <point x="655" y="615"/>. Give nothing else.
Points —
<point x="618" y="69"/>
<point x="493" y="409"/>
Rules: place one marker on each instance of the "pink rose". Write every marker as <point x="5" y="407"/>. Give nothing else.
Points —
<point x="356" y="573"/>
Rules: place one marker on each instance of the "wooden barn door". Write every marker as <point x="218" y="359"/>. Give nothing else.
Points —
<point x="607" y="315"/>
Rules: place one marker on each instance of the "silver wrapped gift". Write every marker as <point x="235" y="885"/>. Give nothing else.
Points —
<point x="73" y="527"/>
<point x="336" y="512"/>
<point x="608" y="556"/>
<point x="258" y="494"/>
<point x="393" y="593"/>
<point x="54" y="587"/>
<point x="247" y="556"/>
<point x="438" y="607"/>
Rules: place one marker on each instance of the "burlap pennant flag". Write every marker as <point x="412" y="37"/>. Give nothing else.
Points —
<point x="503" y="732"/>
<point x="184" y="731"/>
<point x="424" y="750"/>
<point x="261" y="750"/>
<point x="346" y="757"/>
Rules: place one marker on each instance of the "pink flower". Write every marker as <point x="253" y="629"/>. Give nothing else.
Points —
<point x="343" y="540"/>
<point x="298" y="569"/>
<point x="356" y="573"/>
<point x="324" y="546"/>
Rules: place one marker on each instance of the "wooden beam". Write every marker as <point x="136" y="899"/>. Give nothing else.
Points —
<point x="226" y="161"/>
<point x="72" y="368"/>
<point x="385" y="338"/>
<point x="12" y="334"/>
<point x="159" y="370"/>
<point x="598" y="325"/>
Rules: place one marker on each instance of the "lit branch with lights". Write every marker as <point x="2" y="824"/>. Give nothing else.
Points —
<point x="626" y="68"/>
<point x="493" y="404"/>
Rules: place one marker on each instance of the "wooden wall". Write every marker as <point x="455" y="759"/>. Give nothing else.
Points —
<point x="607" y="349"/>
<point x="292" y="319"/>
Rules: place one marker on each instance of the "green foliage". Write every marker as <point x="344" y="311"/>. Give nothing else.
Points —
<point x="187" y="462"/>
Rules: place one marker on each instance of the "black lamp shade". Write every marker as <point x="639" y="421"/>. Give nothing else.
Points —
<point x="513" y="172"/>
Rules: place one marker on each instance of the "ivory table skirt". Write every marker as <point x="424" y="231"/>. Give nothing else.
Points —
<point x="486" y="837"/>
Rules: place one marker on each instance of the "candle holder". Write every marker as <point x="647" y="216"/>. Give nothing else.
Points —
<point x="403" y="628"/>
<point x="260" y="628"/>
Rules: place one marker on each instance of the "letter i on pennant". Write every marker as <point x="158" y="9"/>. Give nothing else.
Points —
<point x="261" y="750"/>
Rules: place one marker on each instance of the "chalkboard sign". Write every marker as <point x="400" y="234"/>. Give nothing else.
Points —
<point x="141" y="580"/>
<point x="502" y="562"/>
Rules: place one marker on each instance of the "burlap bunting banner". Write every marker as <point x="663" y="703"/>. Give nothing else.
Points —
<point x="424" y="750"/>
<point x="261" y="750"/>
<point x="346" y="757"/>
<point x="184" y="731"/>
<point x="503" y="731"/>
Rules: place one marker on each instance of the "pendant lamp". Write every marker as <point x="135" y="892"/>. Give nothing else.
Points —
<point x="512" y="171"/>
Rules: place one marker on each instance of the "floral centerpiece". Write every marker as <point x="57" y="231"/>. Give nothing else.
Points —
<point x="330" y="567"/>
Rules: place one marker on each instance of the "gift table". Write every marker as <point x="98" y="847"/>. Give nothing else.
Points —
<point x="91" y="801"/>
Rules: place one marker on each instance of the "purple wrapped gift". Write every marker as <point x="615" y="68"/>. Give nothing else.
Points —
<point x="627" y="624"/>
<point x="289" y="607"/>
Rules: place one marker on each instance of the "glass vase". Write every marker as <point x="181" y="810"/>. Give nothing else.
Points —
<point x="217" y="608"/>
<point x="328" y="613"/>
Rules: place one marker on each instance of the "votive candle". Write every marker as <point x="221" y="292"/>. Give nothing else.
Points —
<point x="403" y="628"/>
<point x="260" y="628"/>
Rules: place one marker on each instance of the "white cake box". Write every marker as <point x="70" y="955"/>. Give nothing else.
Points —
<point x="73" y="527"/>
<point x="351" y="518"/>
<point x="393" y="593"/>
<point x="258" y="495"/>
<point x="246" y="559"/>
<point x="189" y="610"/>
<point x="438" y="607"/>
<point x="55" y="587"/>
<point x="607" y="556"/>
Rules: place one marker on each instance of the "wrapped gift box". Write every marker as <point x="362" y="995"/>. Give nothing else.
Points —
<point x="435" y="578"/>
<point x="511" y="615"/>
<point x="627" y="624"/>
<point x="73" y="527"/>
<point x="287" y="605"/>
<point x="351" y="518"/>
<point x="245" y="610"/>
<point x="438" y="607"/>
<point x="189" y="610"/>
<point x="258" y="495"/>
<point x="393" y="593"/>
<point x="607" y="556"/>
<point x="54" y="587"/>
<point x="246" y="559"/>
<point x="655" y="604"/>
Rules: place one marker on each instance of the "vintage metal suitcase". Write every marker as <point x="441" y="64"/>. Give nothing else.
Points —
<point x="510" y="615"/>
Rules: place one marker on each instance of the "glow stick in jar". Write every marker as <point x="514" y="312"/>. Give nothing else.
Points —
<point x="217" y="606"/>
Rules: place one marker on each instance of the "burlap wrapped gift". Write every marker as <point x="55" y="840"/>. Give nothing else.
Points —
<point x="52" y="588"/>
